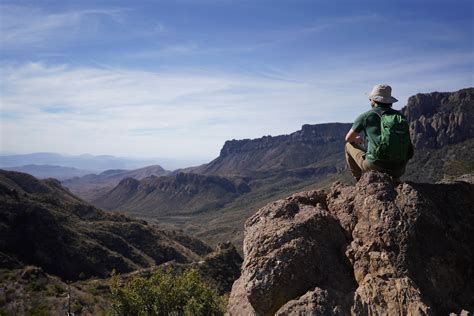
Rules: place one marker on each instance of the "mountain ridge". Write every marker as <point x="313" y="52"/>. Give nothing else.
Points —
<point x="90" y="186"/>
<point x="50" y="171"/>
<point x="131" y="194"/>
<point x="44" y="224"/>
<point x="269" y="153"/>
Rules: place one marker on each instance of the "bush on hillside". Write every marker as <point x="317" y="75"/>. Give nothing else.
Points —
<point x="166" y="293"/>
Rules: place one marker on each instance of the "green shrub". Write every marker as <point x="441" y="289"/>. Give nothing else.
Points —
<point x="36" y="286"/>
<point x="165" y="293"/>
<point x="55" y="289"/>
<point x="40" y="309"/>
<point x="76" y="308"/>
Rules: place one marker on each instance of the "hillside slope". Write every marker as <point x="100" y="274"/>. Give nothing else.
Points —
<point x="43" y="224"/>
<point x="89" y="187"/>
<point x="184" y="193"/>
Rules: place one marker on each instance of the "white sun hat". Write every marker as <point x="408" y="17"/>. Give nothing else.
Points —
<point x="382" y="93"/>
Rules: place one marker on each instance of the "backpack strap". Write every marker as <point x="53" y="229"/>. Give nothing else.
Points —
<point x="378" y="111"/>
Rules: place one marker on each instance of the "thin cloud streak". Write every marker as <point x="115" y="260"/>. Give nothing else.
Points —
<point x="23" y="26"/>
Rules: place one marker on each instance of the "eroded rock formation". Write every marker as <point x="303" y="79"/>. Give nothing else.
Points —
<point x="369" y="249"/>
<point x="438" y="119"/>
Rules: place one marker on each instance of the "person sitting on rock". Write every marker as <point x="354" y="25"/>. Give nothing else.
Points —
<point x="389" y="145"/>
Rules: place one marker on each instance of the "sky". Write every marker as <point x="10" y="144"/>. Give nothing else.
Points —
<point x="176" y="79"/>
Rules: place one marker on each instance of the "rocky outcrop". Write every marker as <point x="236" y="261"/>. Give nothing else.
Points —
<point x="440" y="119"/>
<point x="369" y="249"/>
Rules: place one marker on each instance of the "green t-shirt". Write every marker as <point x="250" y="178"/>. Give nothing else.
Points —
<point x="369" y="122"/>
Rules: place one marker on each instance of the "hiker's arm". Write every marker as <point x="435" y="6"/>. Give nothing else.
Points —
<point x="353" y="137"/>
<point x="358" y="126"/>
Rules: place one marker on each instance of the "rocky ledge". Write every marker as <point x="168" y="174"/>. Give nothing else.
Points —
<point x="369" y="249"/>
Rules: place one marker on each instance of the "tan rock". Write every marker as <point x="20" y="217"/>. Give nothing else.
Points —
<point x="371" y="249"/>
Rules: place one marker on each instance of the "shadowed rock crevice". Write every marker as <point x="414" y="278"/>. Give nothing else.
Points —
<point x="368" y="249"/>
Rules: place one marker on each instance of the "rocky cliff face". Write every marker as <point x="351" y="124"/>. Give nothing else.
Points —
<point x="440" y="119"/>
<point x="300" y="149"/>
<point x="314" y="134"/>
<point x="369" y="249"/>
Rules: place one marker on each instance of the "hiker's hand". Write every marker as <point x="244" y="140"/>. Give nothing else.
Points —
<point x="358" y="140"/>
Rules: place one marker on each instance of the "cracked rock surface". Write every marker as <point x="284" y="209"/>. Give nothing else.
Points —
<point x="369" y="249"/>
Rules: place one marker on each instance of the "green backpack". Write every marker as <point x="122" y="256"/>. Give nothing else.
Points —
<point x="395" y="140"/>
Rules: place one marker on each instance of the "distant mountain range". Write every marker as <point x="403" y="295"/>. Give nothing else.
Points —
<point x="213" y="200"/>
<point x="85" y="161"/>
<point x="273" y="167"/>
<point x="48" y="171"/>
<point x="91" y="186"/>
<point x="88" y="162"/>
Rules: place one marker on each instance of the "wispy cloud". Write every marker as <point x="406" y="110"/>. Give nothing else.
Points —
<point x="190" y="113"/>
<point x="84" y="105"/>
<point x="31" y="25"/>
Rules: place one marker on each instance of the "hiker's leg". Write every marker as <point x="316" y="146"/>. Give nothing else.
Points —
<point x="395" y="174"/>
<point x="355" y="159"/>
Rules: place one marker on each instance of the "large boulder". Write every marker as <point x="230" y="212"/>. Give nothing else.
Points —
<point x="371" y="249"/>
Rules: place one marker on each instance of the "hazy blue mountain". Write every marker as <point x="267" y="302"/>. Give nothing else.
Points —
<point x="90" y="186"/>
<point x="49" y="171"/>
<point x="85" y="161"/>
